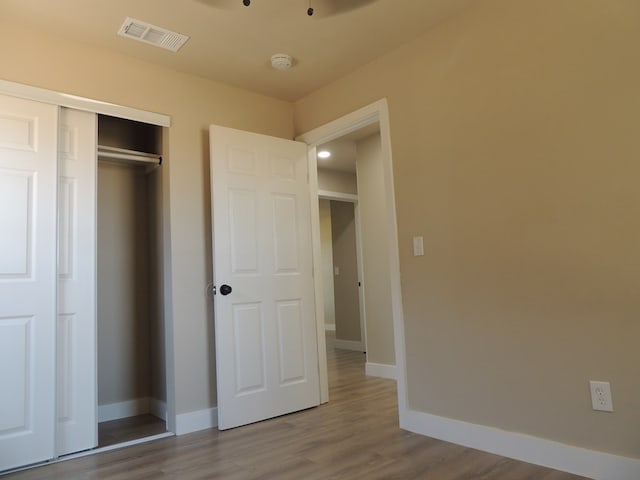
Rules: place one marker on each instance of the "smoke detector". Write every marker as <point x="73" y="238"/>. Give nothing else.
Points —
<point x="281" y="61"/>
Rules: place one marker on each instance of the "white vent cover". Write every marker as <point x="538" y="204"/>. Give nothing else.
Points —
<point x="147" y="33"/>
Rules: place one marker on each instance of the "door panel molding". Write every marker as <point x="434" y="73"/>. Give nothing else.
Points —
<point x="266" y="350"/>
<point x="28" y="177"/>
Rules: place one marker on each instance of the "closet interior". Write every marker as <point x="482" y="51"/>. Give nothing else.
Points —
<point x="130" y="329"/>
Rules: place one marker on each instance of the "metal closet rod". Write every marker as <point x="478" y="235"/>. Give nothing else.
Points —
<point x="124" y="155"/>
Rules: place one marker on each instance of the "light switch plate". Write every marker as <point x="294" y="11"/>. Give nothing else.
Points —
<point x="418" y="246"/>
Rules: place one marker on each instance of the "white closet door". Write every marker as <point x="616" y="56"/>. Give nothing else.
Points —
<point x="76" y="330"/>
<point x="28" y="151"/>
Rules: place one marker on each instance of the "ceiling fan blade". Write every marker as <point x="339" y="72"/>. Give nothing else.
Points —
<point x="322" y="8"/>
<point x="221" y="4"/>
<point x="336" y="7"/>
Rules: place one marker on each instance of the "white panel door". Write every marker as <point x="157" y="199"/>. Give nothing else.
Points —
<point x="265" y="331"/>
<point x="77" y="424"/>
<point x="28" y="151"/>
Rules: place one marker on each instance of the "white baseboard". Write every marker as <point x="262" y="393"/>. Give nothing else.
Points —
<point x="380" y="370"/>
<point x="559" y="456"/>
<point x="329" y="327"/>
<point x="196" y="421"/>
<point x="348" y="345"/>
<point x="130" y="408"/>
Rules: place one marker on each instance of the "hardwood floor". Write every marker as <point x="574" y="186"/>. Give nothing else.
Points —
<point x="126" y="429"/>
<point x="354" y="436"/>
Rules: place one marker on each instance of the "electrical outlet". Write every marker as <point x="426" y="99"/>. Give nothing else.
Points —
<point x="601" y="396"/>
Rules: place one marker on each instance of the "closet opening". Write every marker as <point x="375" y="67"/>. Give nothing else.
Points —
<point x="130" y="324"/>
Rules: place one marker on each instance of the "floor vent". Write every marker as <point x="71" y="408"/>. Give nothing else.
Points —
<point x="147" y="33"/>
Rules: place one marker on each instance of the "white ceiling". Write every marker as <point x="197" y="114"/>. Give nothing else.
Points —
<point x="343" y="156"/>
<point x="343" y="150"/>
<point x="232" y="43"/>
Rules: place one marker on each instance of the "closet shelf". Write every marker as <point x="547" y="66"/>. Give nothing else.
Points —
<point x="128" y="156"/>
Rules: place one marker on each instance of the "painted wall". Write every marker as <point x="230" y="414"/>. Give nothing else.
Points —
<point x="122" y="285"/>
<point x="345" y="279"/>
<point x="375" y="251"/>
<point x="514" y="132"/>
<point x="326" y="248"/>
<point x="193" y="103"/>
<point x="335" y="181"/>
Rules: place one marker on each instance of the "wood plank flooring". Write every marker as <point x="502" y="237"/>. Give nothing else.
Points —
<point x="354" y="436"/>
<point x="127" y="429"/>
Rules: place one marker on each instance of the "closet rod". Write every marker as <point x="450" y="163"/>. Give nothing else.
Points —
<point x="121" y="154"/>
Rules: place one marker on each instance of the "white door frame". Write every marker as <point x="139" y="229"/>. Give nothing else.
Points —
<point x="375" y="112"/>
<point x="96" y="106"/>
<point x="352" y="198"/>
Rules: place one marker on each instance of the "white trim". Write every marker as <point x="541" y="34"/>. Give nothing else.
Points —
<point x="81" y="103"/>
<point x="348" y="345"/>
<point x="340" y="196"/>
<point x="131" y="408"/>
<point x="196" y="421"/>
<point x="375" y="112"/>
<point x="380" y="370"/>
<point x="559" y="456"/>
<point x="361" y="286"/>
<point x="118" y="410"/>
<point x="353" y="198"/>
<point x="329" y="327"/>
<point x="344" y="125"/>
<point x="316" y="254"/>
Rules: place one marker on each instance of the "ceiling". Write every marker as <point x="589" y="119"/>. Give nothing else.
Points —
<point x="231" y="43"/>
<point x="343" y="150"/>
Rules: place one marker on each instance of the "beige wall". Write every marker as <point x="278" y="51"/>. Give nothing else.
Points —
<point x="335" y="181"/>
<point x="375" y="251"/>
<point x="514" y="138"/>
<point x="515" y="154"/>
<point x="193" y="103"/>
<point x="122" y="285"/>
<point x="326" y="248"/>
<point x="347" y="305"/>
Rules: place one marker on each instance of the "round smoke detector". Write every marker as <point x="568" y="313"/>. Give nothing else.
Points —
<point x="281" y="61"/>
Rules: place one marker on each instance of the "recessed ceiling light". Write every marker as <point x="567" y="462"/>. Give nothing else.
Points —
<point x="324" y="154"/>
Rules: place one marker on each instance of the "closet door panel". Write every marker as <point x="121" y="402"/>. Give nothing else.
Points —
<point x="76" y="327"/>
<point x="28" y="150"/>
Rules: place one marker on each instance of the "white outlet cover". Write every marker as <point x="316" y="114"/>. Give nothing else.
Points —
<point x="601" y="396"/>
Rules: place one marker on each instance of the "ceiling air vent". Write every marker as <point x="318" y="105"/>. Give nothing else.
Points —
<point x="147" y="33"/>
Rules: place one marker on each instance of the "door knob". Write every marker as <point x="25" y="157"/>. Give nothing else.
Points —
<point x="225" y="290"/>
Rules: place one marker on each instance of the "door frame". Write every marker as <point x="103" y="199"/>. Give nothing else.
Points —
<point x="60" y="99"/>
<point x="352" y="198"/>
<point x="370" y="114"/>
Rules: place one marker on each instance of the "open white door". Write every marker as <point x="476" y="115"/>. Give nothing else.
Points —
<point x="77" y="427"/>
<point x="266" y="349"/>
<point x="28" y="152"/>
